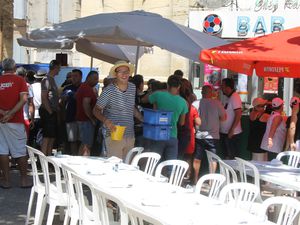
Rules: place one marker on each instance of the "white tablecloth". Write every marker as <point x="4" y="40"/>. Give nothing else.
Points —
<point x="280" y="174"/>
<point x="171" y="204"/>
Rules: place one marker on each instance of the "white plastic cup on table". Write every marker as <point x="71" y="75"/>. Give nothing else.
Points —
<point x="54" y="152"/>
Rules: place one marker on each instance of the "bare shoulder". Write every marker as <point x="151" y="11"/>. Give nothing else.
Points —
<point x="264" y="117"/>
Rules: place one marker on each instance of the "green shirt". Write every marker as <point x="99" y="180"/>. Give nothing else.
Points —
<point x="174" y="103"/>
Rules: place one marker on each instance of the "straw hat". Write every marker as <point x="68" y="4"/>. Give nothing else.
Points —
<point x="40" y="74"/>
<point x="113" y="73"/>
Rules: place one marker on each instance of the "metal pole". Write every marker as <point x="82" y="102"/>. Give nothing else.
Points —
<point x="91" y="65"/>
<point x="137" y="59"/>
<point x="288" y="88"/>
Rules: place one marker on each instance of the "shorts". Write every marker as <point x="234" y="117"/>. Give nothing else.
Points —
<point x="86" y="132"/>
<point x="13" y="139"/>
<point x="119" y="148"/>
<point x="72" y="129"/>
<point x="205" y="144"/>
<point x="48" y="123"/>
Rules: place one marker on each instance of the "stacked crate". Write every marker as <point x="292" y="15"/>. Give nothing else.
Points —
<point x="157" y="124"/>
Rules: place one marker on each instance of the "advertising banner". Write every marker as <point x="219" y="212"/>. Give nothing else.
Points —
<point x="271" y="85"/>
<point x="212" y="76"/>
<point x="243" y="24"/>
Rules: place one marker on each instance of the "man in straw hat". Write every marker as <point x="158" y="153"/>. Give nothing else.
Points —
<point x="116" y="106"/>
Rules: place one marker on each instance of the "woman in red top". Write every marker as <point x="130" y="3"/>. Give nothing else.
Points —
<point x="192" y="119"/>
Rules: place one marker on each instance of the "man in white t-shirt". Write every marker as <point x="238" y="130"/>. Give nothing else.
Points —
<point x="35" y="137"/>
<point x="230" y="130"/>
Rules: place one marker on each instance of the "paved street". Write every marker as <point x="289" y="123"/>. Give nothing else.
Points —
<point x="14" y="202"/>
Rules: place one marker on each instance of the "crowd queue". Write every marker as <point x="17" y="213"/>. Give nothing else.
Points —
<point x="35" y="111"/>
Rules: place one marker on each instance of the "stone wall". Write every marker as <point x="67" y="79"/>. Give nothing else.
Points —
<point x="6" y="29"/>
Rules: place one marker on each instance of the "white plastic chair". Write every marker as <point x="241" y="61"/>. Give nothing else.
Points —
<point x="37" y="188"/>
<point x="288" y="212"/>
<point x="133" y="152"/>
<point x="239" y="195"/>
<point x="293" y="158"/>
<point x="228" y="172"/>
<point x="212" y="158"/>
<point x="152" y="160"/>
<point x="72" y="215"/>
<point x="243" y="167"/>
<point x="103" y="197"/>
<point x="178" y="171"/>
<point x="54" y="194"/>
<point x="88" y="214"/>
<point x="215" y="181"/>
<point x="138" y="217"/>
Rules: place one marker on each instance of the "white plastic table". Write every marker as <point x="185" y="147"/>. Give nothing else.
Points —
<point x="279" y="174"/>
<point x="171" y="204"/>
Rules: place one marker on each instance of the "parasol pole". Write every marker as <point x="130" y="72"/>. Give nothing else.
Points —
<point x="137" y="58"/>
<point x="91" y="65"/>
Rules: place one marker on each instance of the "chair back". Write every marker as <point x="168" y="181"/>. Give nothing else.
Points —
<point x="288" y="212"/>
<point x="133" y="152"/>
<point x="239" y="195"/>
<point x="103" y="197"/>
<point x="33" y="156"/>
<point x="87" y="213"/>
<point x="73" y="204"/>
<point x="56" y="190"/>
<point x="228" y="172"/>
<point x="138" y="217"/>
<point x="215" y="181"/>
<point x="293" y="158"/>
<point x="177" y="173"/>
<point x="152" y="160"/>
<point x="212" y="157"/>
<point x="245" y="167"/>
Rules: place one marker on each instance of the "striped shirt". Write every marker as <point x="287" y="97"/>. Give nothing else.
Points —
<point x="118" y="106"/>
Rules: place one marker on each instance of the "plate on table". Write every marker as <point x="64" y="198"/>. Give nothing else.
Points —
<point x="95" y="172"/>
<point x="62" y="156"/>
<point x="154" y="201"/>
<point x="113" y="159"/>
<point x="276" y="162"/>
<point x="76" y="162"/>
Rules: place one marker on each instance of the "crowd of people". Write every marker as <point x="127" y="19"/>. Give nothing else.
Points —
<point x="35" y="111"/>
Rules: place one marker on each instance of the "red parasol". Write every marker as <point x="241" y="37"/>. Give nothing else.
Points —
<point x="273" y="55"/>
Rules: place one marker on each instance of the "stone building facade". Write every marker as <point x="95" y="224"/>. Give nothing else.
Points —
<point x="6" y="29"/>
<point x="38" y="13"/>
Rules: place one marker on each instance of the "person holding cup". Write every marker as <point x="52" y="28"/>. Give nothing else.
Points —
<point x="115" y="108"/>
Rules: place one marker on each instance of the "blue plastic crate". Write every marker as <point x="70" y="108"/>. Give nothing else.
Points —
<point x="156" y="132"/>
<point x="157" y="117"/>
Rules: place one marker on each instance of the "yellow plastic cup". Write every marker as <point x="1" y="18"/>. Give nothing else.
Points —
<point x="117" y="135"/>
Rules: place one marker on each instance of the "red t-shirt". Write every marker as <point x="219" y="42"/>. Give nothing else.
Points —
<point x="84" y="91"/>
<point x="11" y="86"/>
<point x="192" y="115"/>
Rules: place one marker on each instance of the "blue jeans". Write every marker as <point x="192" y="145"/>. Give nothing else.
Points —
<point x="230" y="146"/>
<point x="167" y="149"/>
